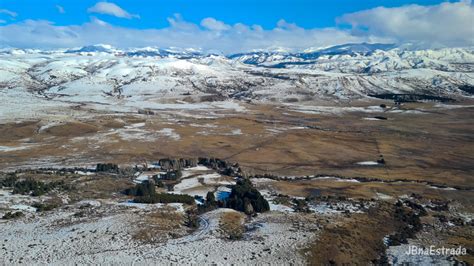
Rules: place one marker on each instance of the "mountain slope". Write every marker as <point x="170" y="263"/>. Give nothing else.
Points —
<point x="105" y="74"/>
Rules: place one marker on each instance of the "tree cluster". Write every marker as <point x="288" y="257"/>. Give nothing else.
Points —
<point x="169" y="175"/>
<point x="32" y="187"/>
<point x="467" y="88"/>
<point x="107" y="167"/>
<point x="245" y="198"/>
<point x="145" y="193"/>
<point x="143" y="189"/>
<point x="8" y="181"/>
<point x="221" y="166"/>
<point x="12" y="215"/>
<point x="409" y="217"/>
<point x="406" y="98"/>
<point x="192" y="219"/>
<point x="45" y="206"/>
<point x="175" y="164"/>
<point x="210" y="203"/>
<point x="165" y="198"/>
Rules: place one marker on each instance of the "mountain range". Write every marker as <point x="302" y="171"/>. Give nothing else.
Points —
<point x="102" y="73"/>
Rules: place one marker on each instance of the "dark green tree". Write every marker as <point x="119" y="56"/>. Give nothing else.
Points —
<point x="244" y="194"/>
<point x="210" y="198"/>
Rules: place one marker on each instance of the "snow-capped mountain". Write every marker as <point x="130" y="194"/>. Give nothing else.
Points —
<point x="351" y="48"/>
<point x="101" y="73"/>
<point x="308" y="56"/>
<point x="363" y="58"/>
<point x="97" y="48"/>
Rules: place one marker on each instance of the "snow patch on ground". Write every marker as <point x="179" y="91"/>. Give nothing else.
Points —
<point x="383" y="196"/>
<point x="169" y="132"/>
<point x="452" y="106"/>
<point x="141" y="178"/>
<point x="271" y="201"/>
<point x="279" y="207"/>
<point x="203" y="125"/>
<point x="442" y="188"/>
<point x="336" y="207"/>
<point x="271" y="241"/>
<point x="236" y="132"/>
<point x="137" y="125"/>
<point x="22" y="207"/>
<point x="334" y="109"/>
<point x="368" y="163"/>
<point x="10" y="201"/>
<point x="179" y="207"/>
<point x="372" y="119"/>
<point x="262" y="180"/>
<point x="84" y="173"/>
<point x="10" y="148"/>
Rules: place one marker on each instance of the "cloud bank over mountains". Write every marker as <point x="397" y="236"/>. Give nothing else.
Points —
<point x="443" y="25"/>
<point x="449" y="24"/>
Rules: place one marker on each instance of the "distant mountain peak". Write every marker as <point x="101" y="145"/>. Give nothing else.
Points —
<point x="352" y="48"/>
<point x="104" y="48"/>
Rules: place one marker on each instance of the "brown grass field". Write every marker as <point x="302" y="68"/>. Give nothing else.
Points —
<point x="433" y="145"/>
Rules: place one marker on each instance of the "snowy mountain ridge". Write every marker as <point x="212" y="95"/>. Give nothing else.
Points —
<point x="104" y="74"/>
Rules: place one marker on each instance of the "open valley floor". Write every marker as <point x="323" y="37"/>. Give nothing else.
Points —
<point x="360" y="182"/>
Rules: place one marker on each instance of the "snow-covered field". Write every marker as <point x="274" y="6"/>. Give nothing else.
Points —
<point x="271" y="241"/>
<point x="104" y="236"/>
<point x="33" y="83"/>
<point x="200" y="180"/>
<point x="195" y="181"/>
<point x="9" y="201"/>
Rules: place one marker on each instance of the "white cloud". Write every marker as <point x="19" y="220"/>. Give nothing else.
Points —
<point x="111" y="9"/>
<point x="213" y="24"/>
<point x="180" y="33"/>
<point x="282" y="24"/>
<point x="8" y="12"/>
<point x="445" y="24"/>
<point x="60" y="9"/>
<point x="179" y="24"/>
<point x="99" y="22"/>
<point x="449" y="24"/>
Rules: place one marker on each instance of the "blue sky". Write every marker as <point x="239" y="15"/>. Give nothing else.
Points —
<point x="220" y="24"/>
<point x="154" y="13"/>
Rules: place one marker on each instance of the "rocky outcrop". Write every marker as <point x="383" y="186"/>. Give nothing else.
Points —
<point x="222" y="166"/>
<point x="107" y="167"/>
<point x="169" y="164"/>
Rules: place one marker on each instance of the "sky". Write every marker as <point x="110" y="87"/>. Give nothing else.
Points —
<point x="234" y="25"/>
